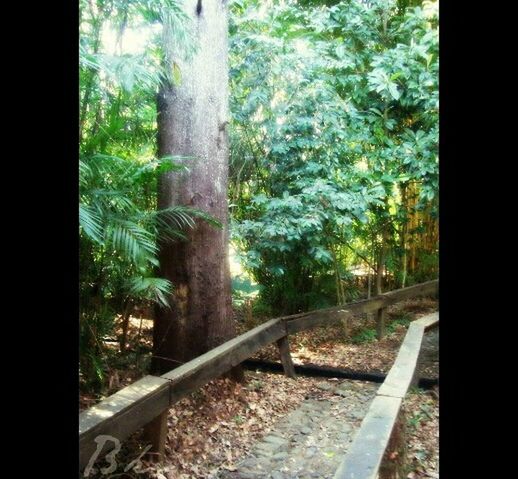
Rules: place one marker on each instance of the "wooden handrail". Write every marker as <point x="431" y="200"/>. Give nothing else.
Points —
<point x="194" y="374"/>
<point x="121" y="414"/>
<point x="140" y="403"/>
<point x="365" y="455"/>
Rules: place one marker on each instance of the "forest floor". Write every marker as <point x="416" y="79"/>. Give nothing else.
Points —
<point x="359" y="350"/>
<point x="214" y="428"/>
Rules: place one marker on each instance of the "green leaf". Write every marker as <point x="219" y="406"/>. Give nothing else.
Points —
<point x="91" y="222"/>
<point x="394" y="92"/>
<point x="395" y="76"/>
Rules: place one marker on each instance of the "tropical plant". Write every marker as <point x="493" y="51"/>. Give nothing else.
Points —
<point x="119" y="225"/>
<point x="334" y="145"/>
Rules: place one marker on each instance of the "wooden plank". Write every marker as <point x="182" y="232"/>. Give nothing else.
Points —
<point x="122" y="414"/>
<point x="380" y="323"/>
<point x="284" y="351"/>
<point x="422" y="289"/>
<point x="190" y="376"/>
<point x="403" y="372"/>
<point x="364" y="456"/>
<point x="155" y="433"/>
<point x="322" y="317"/>
<point x="428" y="322"/>
<point x="140" y="403"/>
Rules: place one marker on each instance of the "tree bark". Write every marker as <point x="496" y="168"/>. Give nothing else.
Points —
<point x="192" y="121"/>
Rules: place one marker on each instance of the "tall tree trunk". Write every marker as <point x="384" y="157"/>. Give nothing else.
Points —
<point x="192" y="120"/>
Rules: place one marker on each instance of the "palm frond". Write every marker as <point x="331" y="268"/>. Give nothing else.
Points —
<point x="85" y="173"/>
<point x="91" y="222"/>
<point x="211" y="220"/>
<point x="124" y="71"/>
<point x="131" y="239"/>
<point x="153" y="289"/>
<point x="172" y="221"/>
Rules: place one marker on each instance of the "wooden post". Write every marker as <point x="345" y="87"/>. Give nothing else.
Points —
<point x="380" y="323"/>
<point x="287" y="363"/>
<point x="156" y="433"/>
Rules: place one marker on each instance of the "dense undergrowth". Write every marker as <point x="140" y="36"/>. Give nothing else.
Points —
<point x="333" y="159"/>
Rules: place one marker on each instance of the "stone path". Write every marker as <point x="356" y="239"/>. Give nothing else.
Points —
<point x="311" y="441"/>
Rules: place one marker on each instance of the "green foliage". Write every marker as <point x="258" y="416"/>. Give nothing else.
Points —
<point x="365" y="336"/>
<point x="334" y="117"/>
<point x="369" y="334"/>
<point x="403" y="320"/>
<point x="243" y="290"/>
<point x="341" y="114"/>
<point x="118" y="245"/>
<point x="261" y="309"/>
<point x="424" y="413"/>
<point x="239" y="419"/>
<point x="255" y="385"/>
<point x="119" y="226"/>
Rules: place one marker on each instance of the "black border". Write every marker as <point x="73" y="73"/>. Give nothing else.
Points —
<point x="44" y="357"/>
<point x="465" y="231"/>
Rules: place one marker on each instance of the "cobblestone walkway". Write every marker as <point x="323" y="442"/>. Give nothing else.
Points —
<point x="311" y="441"/>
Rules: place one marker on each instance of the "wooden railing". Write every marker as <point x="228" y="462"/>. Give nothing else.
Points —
<point x="145" y="403"/>
<point x="377" y="433"/>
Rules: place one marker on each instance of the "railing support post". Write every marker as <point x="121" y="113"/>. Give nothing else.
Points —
<point x="380" y="323"/>
<point x="156" y="433"/>
<point x="287" y="363"/>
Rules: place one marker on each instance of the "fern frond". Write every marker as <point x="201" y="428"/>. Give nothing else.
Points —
<point x="132" y="239"/>
<point x="153" y="289"/>
<point x="91" y="223"/>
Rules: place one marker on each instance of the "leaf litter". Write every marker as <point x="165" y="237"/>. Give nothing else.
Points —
<point x="216" y="426"/>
